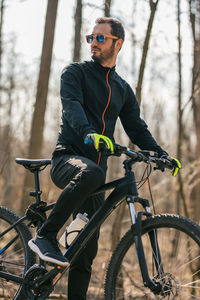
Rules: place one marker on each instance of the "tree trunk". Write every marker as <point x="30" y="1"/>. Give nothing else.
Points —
<point x="107" y="7"/>
<point x="195" y="25"/>
<point x="78" y="25"/>
<point x="153" y="7"/>
<point x="114" y="171"/>
<point x="180" y="191"/>
<point x="36" y="137"/>
<point x="7" y="136"/>
<point x="1" y="30"/>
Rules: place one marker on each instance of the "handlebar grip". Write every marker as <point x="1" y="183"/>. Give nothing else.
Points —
<point x="167" y="163"/>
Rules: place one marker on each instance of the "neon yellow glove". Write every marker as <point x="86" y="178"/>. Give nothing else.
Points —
<point x="177" y="166"/>
<point x="96" y="138"/>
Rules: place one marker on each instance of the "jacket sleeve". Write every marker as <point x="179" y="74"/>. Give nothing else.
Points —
<point x="72" y="101"/>
<point x="135" y="127"/>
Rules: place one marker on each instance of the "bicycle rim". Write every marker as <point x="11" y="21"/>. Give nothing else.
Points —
<point x="17" y="258"/>
<point x="179" y="243"/>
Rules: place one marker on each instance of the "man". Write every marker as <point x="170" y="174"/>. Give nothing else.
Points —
<point x="93" y="97"/>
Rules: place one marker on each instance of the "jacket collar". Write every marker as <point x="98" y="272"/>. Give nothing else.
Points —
<point x="102" y="69"/>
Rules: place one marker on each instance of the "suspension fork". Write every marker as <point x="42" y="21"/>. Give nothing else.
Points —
<point x="136" y="229"/>
<point x="156" y="252"/>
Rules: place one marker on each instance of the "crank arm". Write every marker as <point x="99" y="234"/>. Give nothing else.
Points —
<point x="49" y="275"/>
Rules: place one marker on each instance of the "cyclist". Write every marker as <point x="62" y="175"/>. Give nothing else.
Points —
<point x="93" y="97"/>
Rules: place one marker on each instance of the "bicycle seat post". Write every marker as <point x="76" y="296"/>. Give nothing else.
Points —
<point x="37" y="191"/>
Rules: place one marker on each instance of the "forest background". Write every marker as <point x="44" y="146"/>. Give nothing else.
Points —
<point x="161" y="61"/>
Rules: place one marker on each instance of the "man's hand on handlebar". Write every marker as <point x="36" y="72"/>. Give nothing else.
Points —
<point x="97" y="140"/>
<point x="177" y="166"/>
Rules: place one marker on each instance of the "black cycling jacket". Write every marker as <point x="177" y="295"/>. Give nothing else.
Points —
<point x="93" y="97"/>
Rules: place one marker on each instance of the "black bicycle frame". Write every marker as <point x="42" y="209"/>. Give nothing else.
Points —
<point x="123" y="187"/>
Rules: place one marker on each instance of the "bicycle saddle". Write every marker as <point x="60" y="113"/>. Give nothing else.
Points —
<point x="33" y="163"/>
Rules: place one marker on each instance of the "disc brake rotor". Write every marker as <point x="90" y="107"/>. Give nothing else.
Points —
<point x="170" y="286"/>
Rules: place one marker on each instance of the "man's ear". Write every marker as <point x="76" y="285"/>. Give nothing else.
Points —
<point x="119" y="44"/>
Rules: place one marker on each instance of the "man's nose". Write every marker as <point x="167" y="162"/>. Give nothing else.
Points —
<point x="94" y="42"/>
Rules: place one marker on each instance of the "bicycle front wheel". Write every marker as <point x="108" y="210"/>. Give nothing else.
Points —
<point x="15" y="255"/>
<point x="179" y="244"/>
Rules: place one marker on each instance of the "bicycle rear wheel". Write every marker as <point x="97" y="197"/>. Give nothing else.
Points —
<point x="179" y="243"/>
<point x="15" y="255"/>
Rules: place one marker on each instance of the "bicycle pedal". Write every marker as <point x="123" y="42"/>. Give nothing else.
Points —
<point x="54" y="265"/>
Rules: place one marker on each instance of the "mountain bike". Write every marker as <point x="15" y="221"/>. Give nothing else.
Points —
<point x="158" y="258"/>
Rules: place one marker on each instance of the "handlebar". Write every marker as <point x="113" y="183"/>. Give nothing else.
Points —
<point x="139" y="156"/>
<point x="144" y="156"/>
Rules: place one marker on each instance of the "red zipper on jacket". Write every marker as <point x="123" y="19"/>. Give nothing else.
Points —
<point x="103" y="115"/>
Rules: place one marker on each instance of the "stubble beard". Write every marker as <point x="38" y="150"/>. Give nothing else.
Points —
<point x="103" y="57"/>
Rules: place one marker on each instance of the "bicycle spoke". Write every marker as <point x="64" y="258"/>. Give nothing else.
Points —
<point x="179" y="271"/>
<point x="14" y="255"/>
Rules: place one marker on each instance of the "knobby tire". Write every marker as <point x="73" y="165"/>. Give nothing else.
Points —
<point x="17" y="258"/>
<point x="179" y="243"/>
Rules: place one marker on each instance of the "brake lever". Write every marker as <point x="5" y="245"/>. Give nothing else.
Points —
<point x="162" y="169"/>
<point x="142" y="156"/>
<point x="163" y="163"/>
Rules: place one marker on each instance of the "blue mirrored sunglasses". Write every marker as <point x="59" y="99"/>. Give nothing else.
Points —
<point x="99" y="37"/>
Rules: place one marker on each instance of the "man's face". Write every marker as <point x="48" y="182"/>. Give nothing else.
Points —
<point x="103" y="52"/>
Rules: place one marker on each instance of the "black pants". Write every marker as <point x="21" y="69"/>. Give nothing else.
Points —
<point x="78" y="177"/>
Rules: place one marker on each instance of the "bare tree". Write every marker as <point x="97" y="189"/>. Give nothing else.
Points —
<point x="194" y="6"/>
<point x="36" y="136"/>
<point x="113" y="170"/>
<point x="180" y="192"/>
<point x="107" y="8"/>
<point x="78" y="26"/>
<point x="115" y="234"/>
<point x="2" y="5"/>
<point x="195" y="24"/>
<point x="153" y="6"/>
<point x="6" y="161"/>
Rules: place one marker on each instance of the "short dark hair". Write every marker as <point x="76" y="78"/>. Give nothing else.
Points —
<point x="117" y="28"/>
